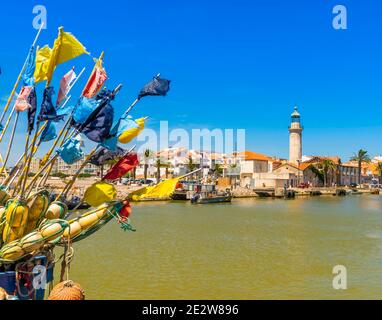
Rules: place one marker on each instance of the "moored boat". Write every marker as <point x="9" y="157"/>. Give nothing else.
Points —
<point x="209" y="194"/>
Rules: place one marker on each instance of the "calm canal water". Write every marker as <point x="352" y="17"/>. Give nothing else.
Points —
<point x="250" y="249"/>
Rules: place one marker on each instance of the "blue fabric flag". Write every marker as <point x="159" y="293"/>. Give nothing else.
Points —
<point x="49" y="133"/>
<point x="63" y="111"/>
<point x="156" y="87"/>
<point x="103" y="155"/>
<point x="124" y="123"/>
<point x="32" y="100"/>
<point x="71" y="150"/>
<point x="28" y="76"/>
<point x="48" y="111"/>
<point x="99" y="124"/>
<point x="84" y="109"/>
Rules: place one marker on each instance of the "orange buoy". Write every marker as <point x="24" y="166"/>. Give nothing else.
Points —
<point x="67" y="290"/>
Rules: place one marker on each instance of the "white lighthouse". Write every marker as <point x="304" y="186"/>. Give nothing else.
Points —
<point x="295" y="138"/>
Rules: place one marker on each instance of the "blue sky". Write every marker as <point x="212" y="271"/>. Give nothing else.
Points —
<point x="233" y="64"/>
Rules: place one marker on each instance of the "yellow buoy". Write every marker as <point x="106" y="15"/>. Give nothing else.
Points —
<point x="11" y="251"/>
<point x="88" y="220"/>
<point x="2" y="223"/>
<point x="38" y="204"/>
<point x="52" y="229"/>
<point x="16" y="216"/>
<point x="73" y="230"/>
<point x="16" y="213"/>
<point x="102" y="210"/>
<point x="32" y="241"/>
<point x="56" y="210"/>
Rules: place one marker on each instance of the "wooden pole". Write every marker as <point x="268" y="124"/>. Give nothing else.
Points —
<point x="42" y="169"/>
<point x="47" y="173"/>
<point x="10" y="143"/>
<point x="67" y="188"/>
<point x="6" y="182"/>
<point x="52" y="67"/>
<point x="18" y="80"/>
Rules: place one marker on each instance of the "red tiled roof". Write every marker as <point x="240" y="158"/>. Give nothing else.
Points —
<point x="249" y="155"/>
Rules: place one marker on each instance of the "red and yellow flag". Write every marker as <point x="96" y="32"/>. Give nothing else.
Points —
<point x="96" y="80"/>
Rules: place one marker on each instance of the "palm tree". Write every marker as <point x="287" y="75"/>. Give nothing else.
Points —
<point x="317" y="172"/>
<point x="218" y="169"/>
<point x="322" y="170"/>
<point x="191" y="165"/>
<point x="379" y="169"/>
<point x="158" y="165"/>
<point x="147" y="155"/>
<point x="360" y="156"/>
<point x="328" y="166"/>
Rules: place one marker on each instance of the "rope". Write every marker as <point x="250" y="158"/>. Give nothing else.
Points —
<point x="67" y="256"/>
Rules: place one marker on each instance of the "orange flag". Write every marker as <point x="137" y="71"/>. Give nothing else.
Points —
<point x="96" y="80"/>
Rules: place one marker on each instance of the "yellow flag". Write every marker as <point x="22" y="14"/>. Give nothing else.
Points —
<point x="162" y="190"/>
<point x="66" y="47"/>
<point x="42" y="63"/>
<point x="131" y="133"/>
<point x="100" y="192"/>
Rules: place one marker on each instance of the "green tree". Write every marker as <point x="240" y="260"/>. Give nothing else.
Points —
<point x="191" y="165"/>
<point x="360" y="156"/>
<point x="158" y="165"/>
<point x="328" y="166"/>
<point x="379" y="169"/>
<point x="323" y="169"/>
<point x="218" y="170"/>
<point x="147" y="156"/>
<point x="317" y="172"/>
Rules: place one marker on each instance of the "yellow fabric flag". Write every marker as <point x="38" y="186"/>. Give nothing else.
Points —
<point x="131" y="133"/>
<point x="42" y="63"/>
<point x="100" y="192"/>
<point x="162" y="190"/>
<point x="66" y="47"/>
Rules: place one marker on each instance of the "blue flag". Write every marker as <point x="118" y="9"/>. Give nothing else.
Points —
<point x="49" y="133"/>
<point x="104" y="155"/>
<point x="28" y="76"/>
<point x="48" y="111"/>
<point x="71" y="150"/>
<point x="156" y="87"/>
<point x="98" y="126"/>
<point x="124" y="123"/>
<point x="84" y="109"/>
<point x="32" y="100"/>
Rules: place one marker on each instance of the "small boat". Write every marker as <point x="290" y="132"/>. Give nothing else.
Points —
<point x="354" y="192"/>
<point x="77" y="203"/>
<point x="74" y="202"/>
<point x="185" y="190"/>
<point x="209" y="194"/>
<point x="199" y="199"/>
